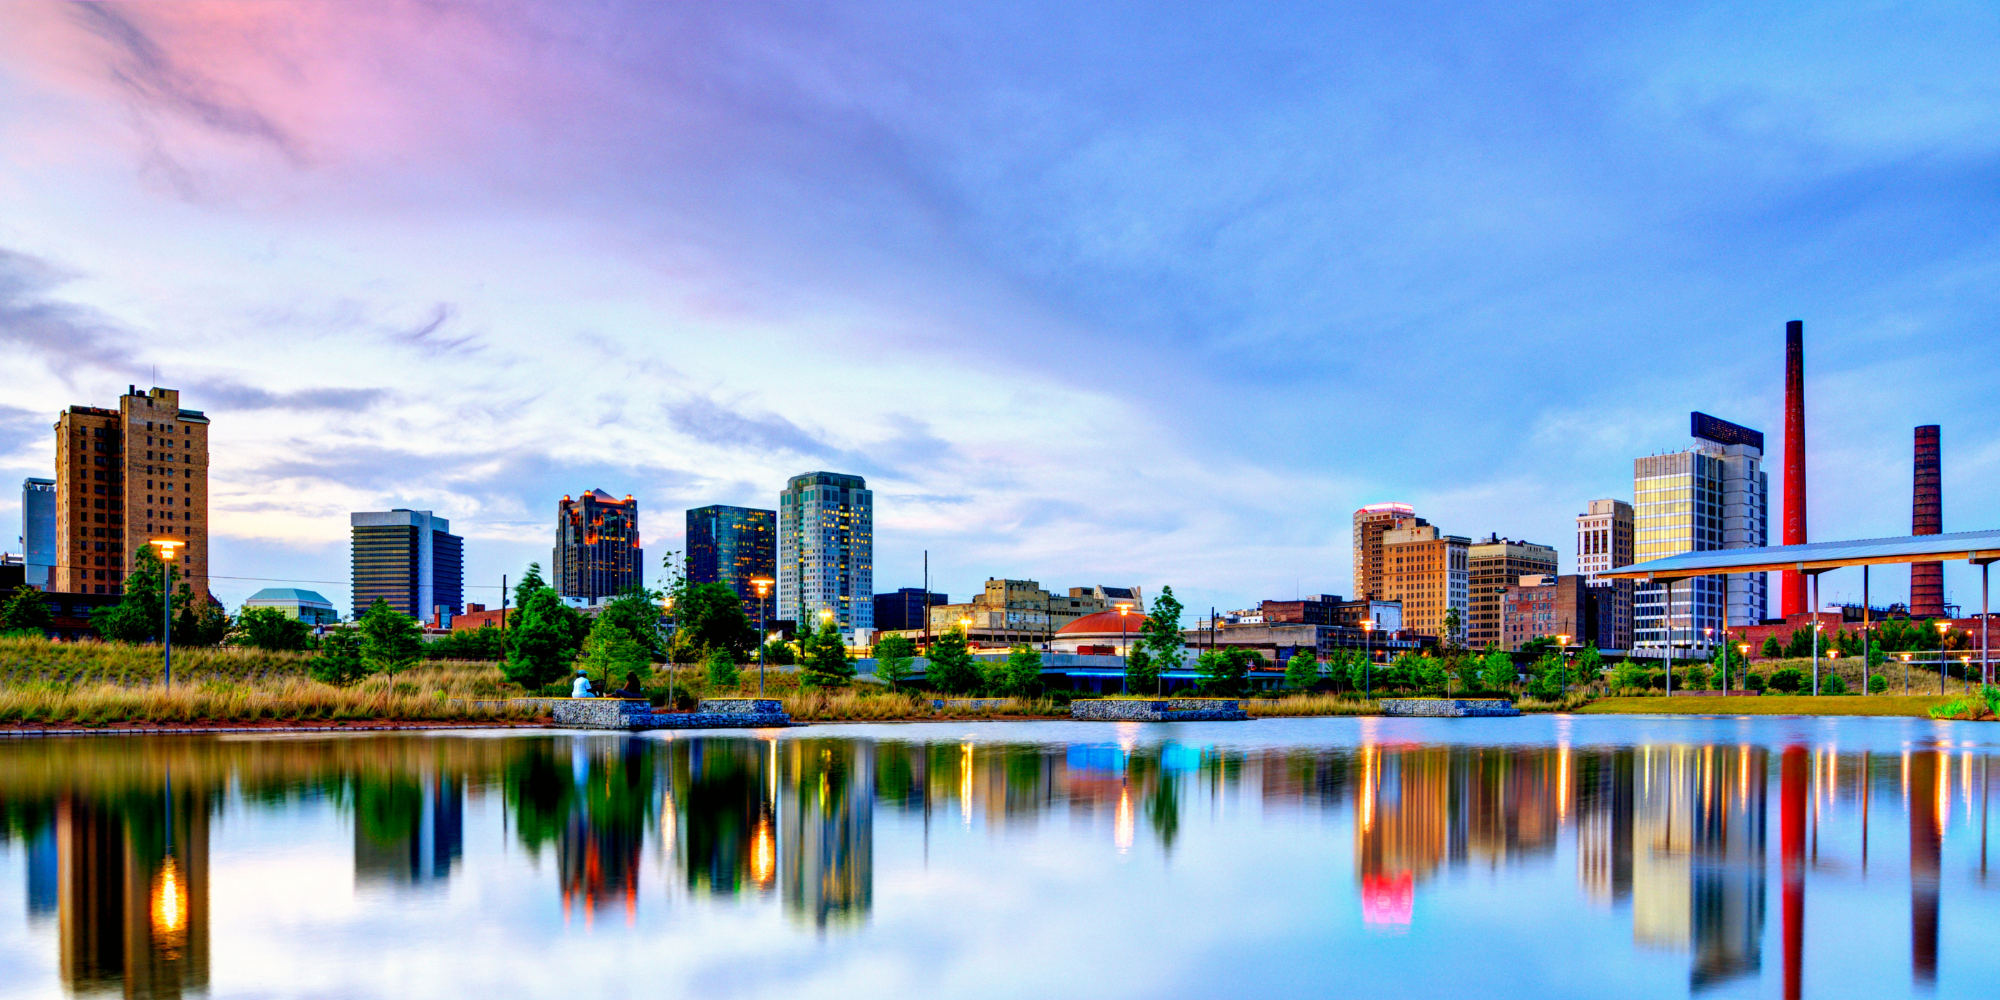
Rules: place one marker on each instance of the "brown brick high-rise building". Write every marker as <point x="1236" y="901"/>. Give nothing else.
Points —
<point x="1492" y="566"/>
<point x="1425" y="570"/>
<point x="123" y="478"/>
<point x="1369" y="524"/>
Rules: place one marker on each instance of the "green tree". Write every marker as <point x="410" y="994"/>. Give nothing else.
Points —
<point x="893" y="658"/>
<point x="778" y="653"/>
<point x="1771" y="650"/>
<point x="339" y="659"/>
<point x="1160" y="636"/>
<point x="1224" y="672"/>
<point x="1142" y="675"/>
<point x="1832" y="683"/>
<point x="722" y="671"/>
<point x="825" y="662"/>
<point x="1023" y="678"/>
<point x="636" y="613"/>
<point x="136" y="616"/>
<point x="1453" y="638"/>
<point x="269" y="628"/>
<point x="1589" y="665"/>
<point x="707" y="617"/>
<point x="540" y="644"/>
<point x="1628" y="675"/>
<point x="1496" y="670"/>
<point x="951" y="669"/>
<point x="391" y="641"/>
<point x="200" y="621"/>
<point x="1789" y="680"/>
<point x="1302" y="670"/>
<point x="483" y="643"/>
<point x="529" y="584"/>
<point x="1801" y="644"/>
<point x="26" y="611"/>
<point x="1429" y="673"/>
<point x="610" y="652"/>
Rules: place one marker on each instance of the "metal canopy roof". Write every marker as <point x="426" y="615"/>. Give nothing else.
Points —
<point x="1818" y="557"/>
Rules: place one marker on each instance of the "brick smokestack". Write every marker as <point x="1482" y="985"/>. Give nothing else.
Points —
<point x="1927" y="518"/>
<point x="1792" y="596"/>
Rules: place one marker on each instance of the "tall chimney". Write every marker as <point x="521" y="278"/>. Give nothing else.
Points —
<point x="1792" y="597"/>
<point x="1927" y="518"/>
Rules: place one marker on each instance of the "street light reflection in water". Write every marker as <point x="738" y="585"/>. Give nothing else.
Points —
<point x="1325" y="840"/>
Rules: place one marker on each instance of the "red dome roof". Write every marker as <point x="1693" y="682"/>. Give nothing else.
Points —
<point x="1105" y="623"/>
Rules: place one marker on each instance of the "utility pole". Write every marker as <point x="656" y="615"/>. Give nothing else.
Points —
<point x="503" y="602"/>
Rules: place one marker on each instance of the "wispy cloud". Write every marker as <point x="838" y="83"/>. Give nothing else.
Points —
<point x="65" y="335"/>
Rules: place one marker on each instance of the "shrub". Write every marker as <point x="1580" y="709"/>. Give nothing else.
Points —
<point x="1877" y="684"/>
<point x="1833" y="683"/>
<point x="722" y="671"/>
<point x="1753" y="682"/>
<point x="892" y="660"/>
<point x="951" y="669"/>
<point x="269" y="628"/>
<point x="339" y="659"/>
<point x="1789" y="680"/>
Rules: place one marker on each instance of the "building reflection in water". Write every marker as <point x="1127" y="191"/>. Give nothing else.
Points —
<point x="727" y="837"/>
<point x="131" y="893"/>
<point x="826" y="831"/>
<point x="409" y="830"/>
<point x="1929" y="809"/>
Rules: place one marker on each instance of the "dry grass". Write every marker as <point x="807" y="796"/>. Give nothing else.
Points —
<point x="28" y="661"/>
<point x="864" y="705"/>
<point x="1309" y="704"/>
<point x="1917" y="706"/>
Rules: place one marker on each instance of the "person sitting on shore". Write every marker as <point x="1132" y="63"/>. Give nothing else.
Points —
<point x="631" y="688"/>
<point x="581" y="687"/>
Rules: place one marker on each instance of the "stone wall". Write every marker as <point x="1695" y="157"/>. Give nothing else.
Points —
<point x="637" y="713"/>
<point x="755" y="705"/>
<point x="1164" y="710"/>
<point x="1448" y="707"/>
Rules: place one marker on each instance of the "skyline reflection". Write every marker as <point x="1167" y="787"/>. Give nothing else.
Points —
<point x="1672" y="840"/>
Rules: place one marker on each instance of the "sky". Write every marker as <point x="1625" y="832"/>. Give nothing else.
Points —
<point x="1091" y="294"/>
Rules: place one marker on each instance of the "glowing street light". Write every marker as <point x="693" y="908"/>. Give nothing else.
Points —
<point x="1741" y="647"/>
<point x="1367" y="654"/>
<point x="1944" y="629"/>
<point x="1123" y="610"/>
<point x="168" y="548"/>
<point x="763" y="585"/>
<point x="1562" y="647"/>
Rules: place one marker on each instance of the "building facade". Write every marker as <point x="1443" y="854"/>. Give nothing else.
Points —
<point x="1493" y="565"/>
<point x="409" y="558"/>
<point x="1711" y="496"/>
<point x="905" y="609"/>
<point x="126" y="477"/>
<point x="1427" y="572"/>
<point x="826" y="552"/>
<point x="1604" y="542"/>
<point x="1565" y="607"/>
<point x="1022" y="611"/>
<point x="598" y="552"/>
<point x="1369" y="524"/>
<point x="733" y="546"/>
<point x="38" y="531"/>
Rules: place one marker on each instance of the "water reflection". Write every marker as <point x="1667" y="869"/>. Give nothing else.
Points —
<point x="114" y="837"/>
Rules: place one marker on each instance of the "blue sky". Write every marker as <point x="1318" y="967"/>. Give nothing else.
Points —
<point x="1132" y="293"/>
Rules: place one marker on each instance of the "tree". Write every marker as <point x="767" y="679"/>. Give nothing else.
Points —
<point x="27" y="611"/>
<point x="530" y="583"/>
<point x="637" y="615"/>
<point x="1788" y="680"/>
<point x="269" y="628"/>
<point x="483" y="643"/>
<point x="1801" y="644"/>
<point x="1302" y="670"/>
<point x="611" y="651"/>
<point x="1496" y="670"/>
<point x="1224" y="671"/>
<point x="540" y="645"/>
<point x="391" y="641"/>
<point x="201" y="621"/>
<point x="1023" y="677"/>
<point x="1629" y="675"/>
<point x="825" y="662"/>
<point x="136" y="616"/>
<point x="1589" y="665"/>
<point x="1430" y="673"/>
<point x="1771" y="650"/>
<point x="707" y="617"/>
<point x="1454" y="630"/>
<point x="778" y="653"/>
<point x="1833" y="683"/>
<point x="339" y="659"/>
<point x="951" y="669"/>
<point x="722" y="672"/>
<point x="893" y="658"/>
<point x="1142" y="675"/>
<point x="1160" y="636"/>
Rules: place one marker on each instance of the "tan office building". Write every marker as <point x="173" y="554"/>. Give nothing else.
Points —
<point x="125" y="477"/>
<point x="1493" y="565"/>
<point x="1370" y="523"/>
<point x="1426" y="571"/>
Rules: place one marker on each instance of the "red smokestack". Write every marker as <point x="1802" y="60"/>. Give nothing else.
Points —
<point x="1792" y="597"/>
<point x="1927" y="518"/>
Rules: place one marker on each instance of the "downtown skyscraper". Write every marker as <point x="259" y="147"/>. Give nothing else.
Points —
<point x="126" y="477"/>
<point x="826" y="552"/>
<point x="598" y="553"/>
<point x="1712" y="496"/>
<point x="409" y="558"/>
<point x="732" y="546"/>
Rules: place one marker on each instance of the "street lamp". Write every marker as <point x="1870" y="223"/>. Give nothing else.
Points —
<point x="1562" y="644"/>
<point x="1367" y="654"/>
<point x="1744" y="648"/>
<point x="1906" y="672"/>
<point x="1965" y="670"/>
<point x="1124" y="686"/>
<point x="1944" y="629"/>
<point x="763" y="585"/>
<point x="168" y="548"/>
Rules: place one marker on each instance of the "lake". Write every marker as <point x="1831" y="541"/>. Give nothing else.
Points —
<point x="1533" y="857"/>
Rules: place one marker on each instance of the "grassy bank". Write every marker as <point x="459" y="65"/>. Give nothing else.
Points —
<point x="1917" y="706"/>
<point x="221" y="702"/>
<point x="26" y="661"/>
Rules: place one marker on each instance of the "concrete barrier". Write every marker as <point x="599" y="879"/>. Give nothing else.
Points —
<point x="1160" y="710"/>
<point x="638" y="714"/>
<point x="1448" y="708"/>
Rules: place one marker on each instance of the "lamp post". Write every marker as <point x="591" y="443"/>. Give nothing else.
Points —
<point x="1906" y="672"/>
<point x="763" y="585"/>
<point x="1367" y="654"/>
<point x="1562" y="646"/>
<point x="1944" y="629"/>
<point x="1744" y="648"/>
<point x="168" y="547"/>
<point x="1965" y="670"/>
<point x="1124" y="649"/>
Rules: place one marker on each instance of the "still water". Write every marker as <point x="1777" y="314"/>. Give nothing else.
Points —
<point x="1535" y="857"/>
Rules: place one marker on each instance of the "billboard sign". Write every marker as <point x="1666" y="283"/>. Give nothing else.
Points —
<point x="1720" y="431"/>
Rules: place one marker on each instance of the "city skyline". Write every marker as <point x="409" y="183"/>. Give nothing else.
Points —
<point x="369" y="336"/>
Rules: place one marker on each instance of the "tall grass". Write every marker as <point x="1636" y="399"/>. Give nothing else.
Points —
<point x="25" y="660"/>
<point x="1309" y="704"/>
<point x="291" y="700"/>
